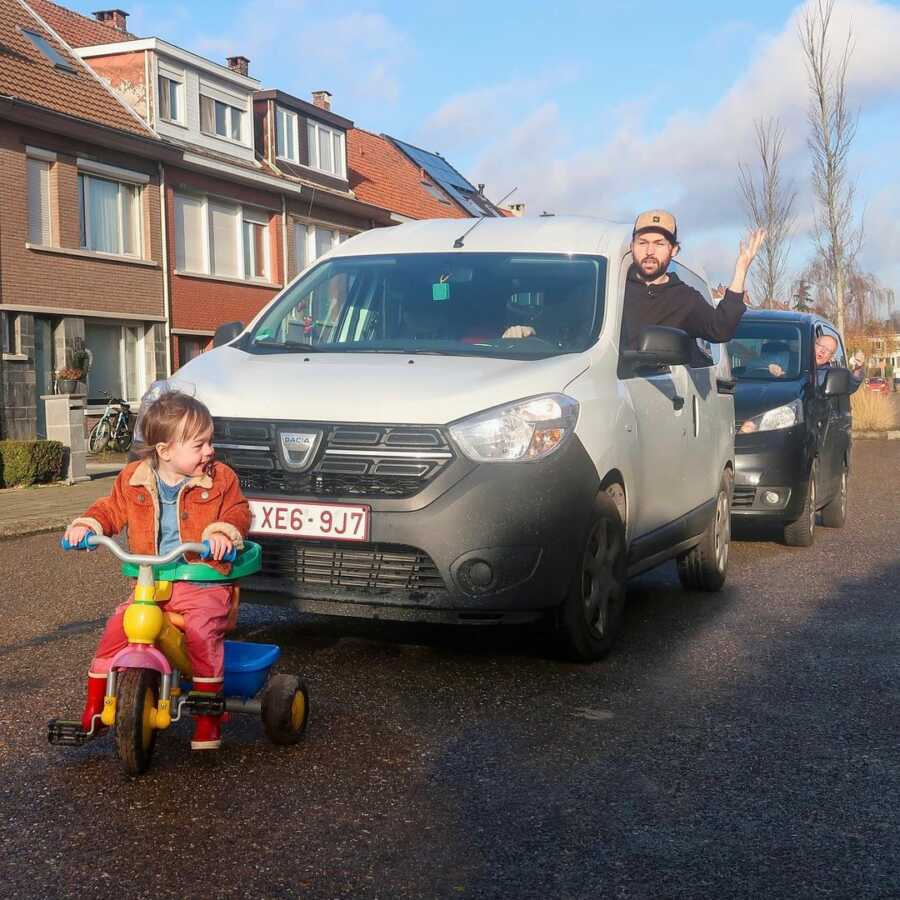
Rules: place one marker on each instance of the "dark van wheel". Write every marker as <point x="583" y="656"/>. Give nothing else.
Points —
<point x="285" y="709"/>
<point x="704" y="567"/>
<point x="802" y="532"/>
<point x="834" y="513"/>
<point x="136" y="699"/>
<point x="591" y="615"/>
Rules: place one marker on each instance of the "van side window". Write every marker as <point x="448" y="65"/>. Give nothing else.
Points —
<point x="712" y="352"/>
<point x="840" y="358"/>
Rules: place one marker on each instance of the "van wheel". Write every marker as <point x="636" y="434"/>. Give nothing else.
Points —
<point x="834" y="513"/>
<point x="591" y="615"/>
<point x="704" y="567"/>
<point x="802" y="532"/>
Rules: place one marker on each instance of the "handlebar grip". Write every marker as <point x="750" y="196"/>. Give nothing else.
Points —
<point x="84" y="544"/>
<point x="230" y="556"/>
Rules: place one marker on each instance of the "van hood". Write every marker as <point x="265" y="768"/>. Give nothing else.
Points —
<point x="367" y="387"/>
<point x="754" y="397"/>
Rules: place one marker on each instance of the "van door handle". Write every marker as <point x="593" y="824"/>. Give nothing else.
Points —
<point x="678" y="403"/>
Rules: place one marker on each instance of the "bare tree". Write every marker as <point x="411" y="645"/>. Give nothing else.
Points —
<point x="769" y="204"/>
<point x="832" y="129"/>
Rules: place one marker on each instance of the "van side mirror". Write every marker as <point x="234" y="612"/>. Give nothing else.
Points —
<point x="227" y="333"/>
<point x="837" y="382"/>
<point x="661" y="346"/>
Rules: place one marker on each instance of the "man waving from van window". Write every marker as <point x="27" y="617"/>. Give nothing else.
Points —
<point x="655" y="296"/>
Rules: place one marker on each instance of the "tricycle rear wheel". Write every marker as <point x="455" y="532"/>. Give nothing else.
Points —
<point x="285" y="709"/>
<point x="137" y="696"/>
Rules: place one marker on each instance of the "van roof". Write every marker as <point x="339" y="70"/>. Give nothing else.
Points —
<point x="547" y="234"/>
<point x="786" y="315"/>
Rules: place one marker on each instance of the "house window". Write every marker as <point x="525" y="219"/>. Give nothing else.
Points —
<point x="217" y="118"/>
<point x="110" y="220"/>
<point x="326" y="149"/>
<point x="49" y="51"/>
<point x="10" y="343"/>
<point x="312" y="241"/>
<point x="288" y="135"/>
<point x="435" y="192"/>
<point x="169" y="99"/>
<point x="214" y="237"/>
<point x="117" y="367"/>
<point x="190" y="347"/>
<point x="39" y="202"/>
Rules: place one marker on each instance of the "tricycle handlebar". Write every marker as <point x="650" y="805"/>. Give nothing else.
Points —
<point x="92" y="541"/>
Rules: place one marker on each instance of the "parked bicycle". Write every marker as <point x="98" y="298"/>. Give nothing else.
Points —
<point x="115" y="430"/>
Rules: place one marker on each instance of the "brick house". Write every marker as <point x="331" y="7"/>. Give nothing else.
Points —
<point x="81" y="250"/>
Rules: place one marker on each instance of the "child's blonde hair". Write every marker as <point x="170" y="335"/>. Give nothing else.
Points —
<point x="173" y="416"/>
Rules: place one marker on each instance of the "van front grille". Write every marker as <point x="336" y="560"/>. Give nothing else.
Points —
<point x="743" y="496"/>
<point x="369" y="568"/>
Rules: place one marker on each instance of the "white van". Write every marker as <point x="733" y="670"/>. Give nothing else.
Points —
<point x="435" y="422"/>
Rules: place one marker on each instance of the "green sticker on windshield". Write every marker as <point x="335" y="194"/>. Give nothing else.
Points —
<point x="440" y="291"/>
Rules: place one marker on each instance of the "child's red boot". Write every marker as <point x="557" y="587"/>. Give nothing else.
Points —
<point x="93" y="705"/>
<point x="207" y="728"/>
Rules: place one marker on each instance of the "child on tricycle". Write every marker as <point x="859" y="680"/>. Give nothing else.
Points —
<point x="177" y="495"/>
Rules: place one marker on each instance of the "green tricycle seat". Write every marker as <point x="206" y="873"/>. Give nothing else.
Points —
<point x="249" y="560"/>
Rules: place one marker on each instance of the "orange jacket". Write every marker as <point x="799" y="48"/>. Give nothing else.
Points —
<point x="206" y="504"/>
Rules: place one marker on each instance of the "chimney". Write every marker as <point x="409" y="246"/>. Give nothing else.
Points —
<point x="115" y="18"/>
<point x="322" y="99"/>
<point x="239" y="64"/>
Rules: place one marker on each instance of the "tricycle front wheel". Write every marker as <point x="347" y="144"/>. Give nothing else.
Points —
<point x="285" y="709"/>
<point x="136" y="699"/>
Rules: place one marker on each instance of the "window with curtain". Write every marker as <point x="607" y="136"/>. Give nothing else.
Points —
<point x="326" y="149"/>
<point x="118" y="366"/>
<point x="286" y="126"/>
<point x="311" y="241"/>
<point x="220" y="119"/>
<point x="39" y="202"/>
<point x="255" y="249"/>
<point x="169" y="99"/>
<point x="110" y="220"/>
<point x="223" y="238"/>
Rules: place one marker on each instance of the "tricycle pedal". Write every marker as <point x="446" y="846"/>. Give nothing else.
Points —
<point x="204" y="704"/>
<point x="67" y="734"/>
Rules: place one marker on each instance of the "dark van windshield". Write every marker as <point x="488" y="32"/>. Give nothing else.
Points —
<point x="511" y="305"/>
<point x="768" y="351"/>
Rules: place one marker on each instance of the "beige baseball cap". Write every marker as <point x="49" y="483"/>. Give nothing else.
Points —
<point x="657" y="220"/>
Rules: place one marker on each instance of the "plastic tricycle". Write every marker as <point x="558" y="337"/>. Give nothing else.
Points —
<point x="144" y="691"/>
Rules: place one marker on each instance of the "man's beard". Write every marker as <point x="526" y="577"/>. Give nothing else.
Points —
<point x="653" y="275"/>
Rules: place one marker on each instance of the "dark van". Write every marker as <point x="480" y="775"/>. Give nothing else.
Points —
<point x="793" y="424"/>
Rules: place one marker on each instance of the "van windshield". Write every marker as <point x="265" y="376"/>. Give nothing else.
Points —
<point x="767" y="351"/>
<point x="510" y="305"/>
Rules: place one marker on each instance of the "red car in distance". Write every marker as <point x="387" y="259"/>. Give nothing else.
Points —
<point x="878" y="385"/>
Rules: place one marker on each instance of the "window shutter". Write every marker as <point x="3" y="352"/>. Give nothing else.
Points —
<point x="39" y="202"/>
<point x="189" y="243"/>
<point x="223" y="236"/>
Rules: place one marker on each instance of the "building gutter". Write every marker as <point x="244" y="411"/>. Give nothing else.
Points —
<point x="167" y="298"/>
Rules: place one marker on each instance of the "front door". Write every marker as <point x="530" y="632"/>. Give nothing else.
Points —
<point x="43" y="369"/>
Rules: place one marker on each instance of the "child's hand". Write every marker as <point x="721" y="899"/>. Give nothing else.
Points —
<point x="219" y="545"/>
<point x="75" y="533"/>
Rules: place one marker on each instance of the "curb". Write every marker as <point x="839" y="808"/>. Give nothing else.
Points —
<point x="878" y="435"/>
<point x="11" y="530"/>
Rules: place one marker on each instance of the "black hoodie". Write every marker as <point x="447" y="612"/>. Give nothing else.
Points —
<point x="677" y="305"/>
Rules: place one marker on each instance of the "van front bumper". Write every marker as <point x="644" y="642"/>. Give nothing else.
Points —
<point x="499" y="542"/>
<point x="770" y="465"/>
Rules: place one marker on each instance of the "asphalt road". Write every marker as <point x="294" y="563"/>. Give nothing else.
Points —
<point x="743" y="744"/>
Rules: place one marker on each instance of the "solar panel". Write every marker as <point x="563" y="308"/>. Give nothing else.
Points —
<point x="448" y="178"/>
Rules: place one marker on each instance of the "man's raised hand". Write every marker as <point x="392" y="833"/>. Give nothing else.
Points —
<point x="746" y="253"/>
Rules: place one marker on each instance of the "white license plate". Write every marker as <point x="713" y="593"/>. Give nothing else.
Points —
<point x="333" y="521"/>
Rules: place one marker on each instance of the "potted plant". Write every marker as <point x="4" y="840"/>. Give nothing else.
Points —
<point x="67" y="380"/>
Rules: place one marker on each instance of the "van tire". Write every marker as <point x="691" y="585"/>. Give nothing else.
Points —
<point x="705" y="566"/>
<point x="834" y="513"/>
<point x="802" y="531"/>
<point x="591" y="614"/>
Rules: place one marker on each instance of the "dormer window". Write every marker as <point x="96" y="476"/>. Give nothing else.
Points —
<point x="170" y="101"/>
<point x="288" y="135"/>
<point x="326" y="149"/>
<point x="220" y="119"/>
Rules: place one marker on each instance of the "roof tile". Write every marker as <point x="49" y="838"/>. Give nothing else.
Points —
<point x="75" y="29"/>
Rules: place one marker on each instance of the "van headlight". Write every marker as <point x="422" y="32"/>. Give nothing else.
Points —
<point x="527" y="429"/>
<point x="774" y="419"/>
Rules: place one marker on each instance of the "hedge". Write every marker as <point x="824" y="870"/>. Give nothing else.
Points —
<point x="30" y="462"/>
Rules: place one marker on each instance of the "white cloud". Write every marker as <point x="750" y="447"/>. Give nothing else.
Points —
<point x="690" y="163"/>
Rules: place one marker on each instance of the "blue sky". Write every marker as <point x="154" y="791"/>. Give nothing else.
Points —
<point x="585" y="107"/>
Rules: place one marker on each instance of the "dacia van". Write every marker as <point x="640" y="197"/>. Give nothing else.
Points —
<point x="435" y="422"/>
<point x="794" y="424"/>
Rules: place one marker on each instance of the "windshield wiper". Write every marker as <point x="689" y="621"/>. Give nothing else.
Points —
<point x="290" y="346"/>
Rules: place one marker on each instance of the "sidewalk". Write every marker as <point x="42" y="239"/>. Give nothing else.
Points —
<point x="50" y="507"/>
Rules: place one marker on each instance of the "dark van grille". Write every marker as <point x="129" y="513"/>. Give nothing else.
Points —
<point x="360" y="461"/>
<point x="372" y="568"/>
<point x="743" y="496"/>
